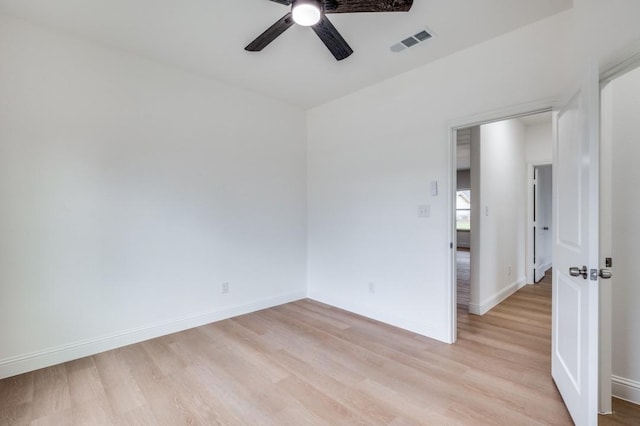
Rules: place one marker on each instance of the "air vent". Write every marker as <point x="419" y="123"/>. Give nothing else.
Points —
<point x="410" y="41"/>
<point x="423" y="35"/>
<point x="414" y="40"/>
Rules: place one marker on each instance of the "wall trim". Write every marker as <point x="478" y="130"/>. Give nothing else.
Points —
<point x="513" y="111"/>
<point x="494" y="300"/>
<point x="626" y="389"/>
<point x="384" y="316"/>
<point x="451" y="126"/>
<point x="544" y="268"/>
<point x="620" y="63"/>
<point x="33" y="361"/>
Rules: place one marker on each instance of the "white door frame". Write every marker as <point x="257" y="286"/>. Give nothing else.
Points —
<point x="606" y="306"/>
<point x="543" y="105"/>
<point x="625" y="61"/>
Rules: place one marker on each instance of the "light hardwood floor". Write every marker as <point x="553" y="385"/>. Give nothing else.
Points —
<point x="307" y="363"/>
<point x="463" y="276"/>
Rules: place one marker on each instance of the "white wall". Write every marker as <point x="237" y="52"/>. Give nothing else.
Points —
<point x="370" y="168"/>
<point x="600" y="31"/>
<point x="372" y="156"/>
<point x="625" y="249"/>
<point x="130" y="192"/>
<point x="538" y="147"/>
<point x="501" y="216"/>
<point x="538" y="150"/>
<point x="476" y="234"/>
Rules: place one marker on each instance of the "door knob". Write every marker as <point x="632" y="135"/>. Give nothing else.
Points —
<point x="574" y="271"/>
<point x="605" y="274"/>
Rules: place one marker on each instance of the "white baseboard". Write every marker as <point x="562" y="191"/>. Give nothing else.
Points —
<point x="52" y="356"/>
<point x="494" y="300"/>
<point x="381" y="315"/>
<point x="626" y="389"/>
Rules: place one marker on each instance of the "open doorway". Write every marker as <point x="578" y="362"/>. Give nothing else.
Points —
<point x="541" y="223"/>
<point x="538" y="153"/>
<point x="463" y="217"/>
<point x="493" y="208"/>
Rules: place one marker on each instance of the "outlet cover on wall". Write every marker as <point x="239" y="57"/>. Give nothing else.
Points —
<point x="224" y="288"/>
<point x="424" y="210"/>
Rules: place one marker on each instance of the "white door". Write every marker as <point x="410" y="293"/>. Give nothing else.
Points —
<point x="574" y="344"/>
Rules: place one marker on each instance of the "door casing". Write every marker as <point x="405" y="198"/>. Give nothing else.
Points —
<point x="521" y="110"/>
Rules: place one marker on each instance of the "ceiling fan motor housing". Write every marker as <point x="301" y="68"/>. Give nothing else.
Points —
<point x="307" y="12"/>
<point x="318" y="4"/>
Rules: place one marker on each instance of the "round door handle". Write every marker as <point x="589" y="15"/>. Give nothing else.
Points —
<point x="574" y="271"/>
<point x="605" y="274"/>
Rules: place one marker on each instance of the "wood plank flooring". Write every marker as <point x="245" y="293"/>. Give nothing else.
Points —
<point x="463" y="275"/>
<point x="307" y="363"/>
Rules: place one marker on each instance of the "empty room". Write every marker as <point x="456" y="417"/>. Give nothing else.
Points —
<point x="244" y="212"/>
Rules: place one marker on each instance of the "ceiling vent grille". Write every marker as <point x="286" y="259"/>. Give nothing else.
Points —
<point x="414" y="40"/>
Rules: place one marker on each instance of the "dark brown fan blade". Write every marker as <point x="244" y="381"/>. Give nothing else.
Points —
<point x="270" y="34"/>
<point x="285" y="2"/>
<point x="332" y="39"/>
<point x="354" y="6"/>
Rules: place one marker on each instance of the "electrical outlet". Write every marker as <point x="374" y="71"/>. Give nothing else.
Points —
<point x="424" y="210"/>
<point x="509" y="270"/>
<point x="224" y="288"/>
<point x="372" y="287"/>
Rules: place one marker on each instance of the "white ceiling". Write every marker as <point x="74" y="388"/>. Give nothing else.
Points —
<point x="208" y="37"/>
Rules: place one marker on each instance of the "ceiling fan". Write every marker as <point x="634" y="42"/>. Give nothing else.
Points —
<point x="312" y="13"/>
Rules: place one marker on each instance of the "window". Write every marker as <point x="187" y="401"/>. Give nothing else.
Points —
<point x="463" y="210"/>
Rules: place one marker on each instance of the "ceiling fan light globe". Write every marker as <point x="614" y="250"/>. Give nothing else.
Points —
<point x="306" y="14"/>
